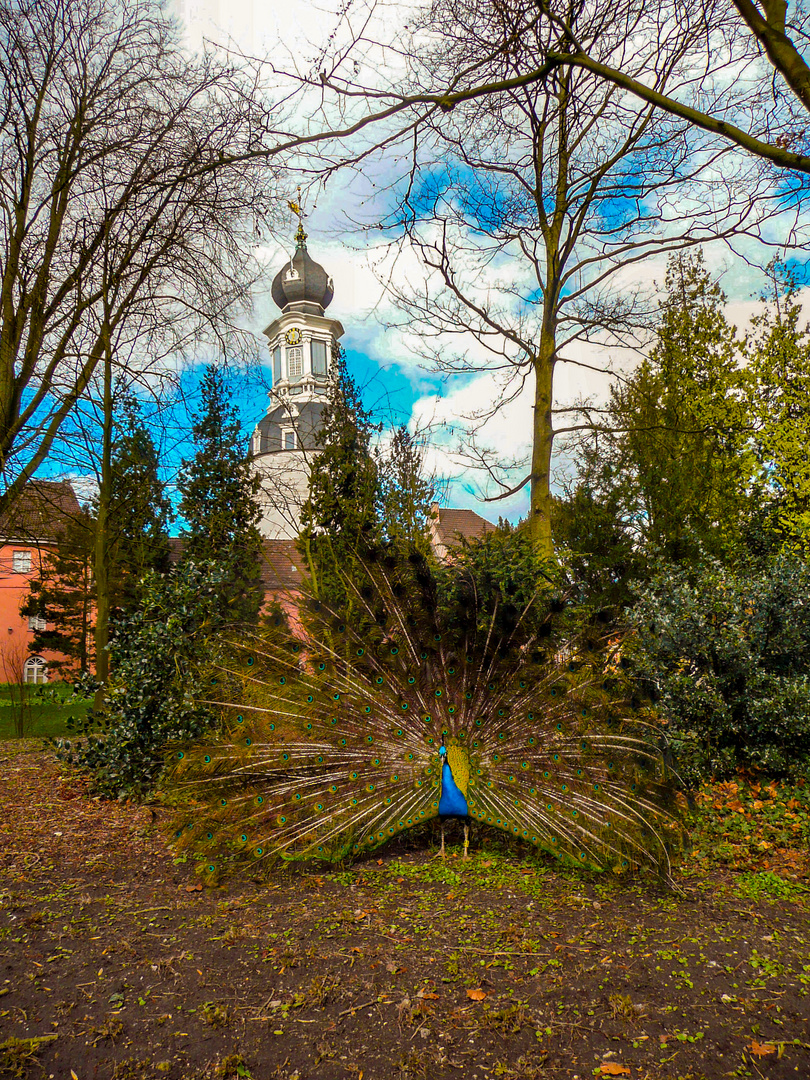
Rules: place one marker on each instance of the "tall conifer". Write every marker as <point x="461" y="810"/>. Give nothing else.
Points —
<point x="219" y="487"/>
<point x="139" y="511"/>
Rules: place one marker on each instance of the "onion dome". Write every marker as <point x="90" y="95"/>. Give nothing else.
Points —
<point x="303" y="284"/>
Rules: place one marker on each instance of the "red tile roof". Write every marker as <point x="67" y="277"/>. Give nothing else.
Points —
<point x="450" y="527"/>
<point x="280" y="568"/>
<point x="41" y="511"/>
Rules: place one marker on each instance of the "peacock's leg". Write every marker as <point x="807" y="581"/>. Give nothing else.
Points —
<point x="466" y="840"/>
<point x="441" y="850"/>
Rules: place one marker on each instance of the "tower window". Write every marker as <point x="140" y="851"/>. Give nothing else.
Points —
<point x="276" y="365"/>
<point x="295" y="363"/>
<point x="318" y="357"/>
<point x="289" y="440"/>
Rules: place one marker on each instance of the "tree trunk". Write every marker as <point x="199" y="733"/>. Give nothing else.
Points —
<point x="102" y="546"/>
<point x="542" y="444"/>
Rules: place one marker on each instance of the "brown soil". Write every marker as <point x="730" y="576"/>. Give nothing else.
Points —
<point x="402" y="966"/>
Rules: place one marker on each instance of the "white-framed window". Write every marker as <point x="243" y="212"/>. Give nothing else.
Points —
<point x="295" y="362"/>
<point x="21" y="562"/>
<point x="289" y="440"/>
<point x="35" y="670"/>
<point x="276" y="365"/>
<point x="318" y="357"/>
<point x="36" y="622"/>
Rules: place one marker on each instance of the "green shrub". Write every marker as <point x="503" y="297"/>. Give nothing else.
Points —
<point x="728" y="655"/>
<point x="160" y="654"/>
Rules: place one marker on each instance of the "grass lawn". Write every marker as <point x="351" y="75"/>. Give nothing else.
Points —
<point x="46" y="711"/>
<point x="119" y="964"/>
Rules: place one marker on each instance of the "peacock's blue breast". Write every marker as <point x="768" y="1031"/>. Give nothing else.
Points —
<point x="451" y="802"/>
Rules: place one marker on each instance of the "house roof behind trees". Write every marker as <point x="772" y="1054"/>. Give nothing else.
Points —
<point x="41" y="511"/>
<point x="450" y="527"/>
<point x="280" y="566"/>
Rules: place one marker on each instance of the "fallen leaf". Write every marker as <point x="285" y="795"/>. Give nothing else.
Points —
<point x="73" y="1074"/>
<point x="613" y="1068"/>
<point x="199" y="972"/>
<point x="476" y="995"/>
<point x="762" y="1049"/>
<point x="428" y="995"/>
<point x="193" y="888"/>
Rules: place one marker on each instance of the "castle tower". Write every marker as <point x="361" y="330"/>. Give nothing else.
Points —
<point x="301" y="341"/>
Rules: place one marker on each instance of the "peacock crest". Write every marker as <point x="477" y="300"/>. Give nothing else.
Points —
<point x="397" y="710"/>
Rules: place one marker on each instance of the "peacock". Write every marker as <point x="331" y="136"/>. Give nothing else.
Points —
<point x="347" y="725"/>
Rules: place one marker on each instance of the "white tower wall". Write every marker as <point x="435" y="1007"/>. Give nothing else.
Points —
<point x="301" y="343"/>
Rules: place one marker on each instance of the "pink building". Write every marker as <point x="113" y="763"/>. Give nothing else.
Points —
<point x="27" y="533"/>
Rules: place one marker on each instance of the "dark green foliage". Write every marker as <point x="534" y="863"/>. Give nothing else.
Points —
<point x="729" y="653"/>
<point x="359" y="495"/>
<point x="139" y="511"/>
<point x="597" y="538"/>
<point x="63" y="595"/>
<point x="501" y="577"/>
<point x="157" y="693"/>
<point x="219" y="488"/>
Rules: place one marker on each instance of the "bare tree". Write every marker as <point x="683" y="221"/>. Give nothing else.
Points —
<point x="525" y="205"/>
<point x="752" y="87"/>
<point x="14" y="656"/>
<point x="130" y="197"/>
<point x="742" y="75"/>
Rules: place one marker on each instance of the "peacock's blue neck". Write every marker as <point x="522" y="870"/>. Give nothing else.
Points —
<point x="451" y="802"/>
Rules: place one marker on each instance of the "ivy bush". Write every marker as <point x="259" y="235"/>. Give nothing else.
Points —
<point x="727" y="653"/>
<point x="161" y="657"/>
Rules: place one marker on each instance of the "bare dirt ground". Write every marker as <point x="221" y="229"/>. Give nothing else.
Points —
<point x="116" y="964"/>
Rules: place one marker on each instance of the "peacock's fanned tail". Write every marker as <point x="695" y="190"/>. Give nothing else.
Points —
<point x="330" y="740"/>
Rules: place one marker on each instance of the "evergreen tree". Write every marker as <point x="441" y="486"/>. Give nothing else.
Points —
<point x="61" y="599"/>
<point x="405" y="494"/>
<point x="342" y="507"/>
<point x="596" y="532"/>
<point x="675" y="462"/>
<point x="219" y="487"/>
<point x="139" y="511"/>
<point x="686" y="423"/>
<point x="779" y="362"/>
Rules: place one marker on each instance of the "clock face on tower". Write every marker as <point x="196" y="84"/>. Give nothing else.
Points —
<point x="293" y="336"/>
